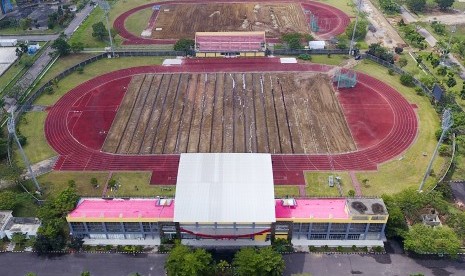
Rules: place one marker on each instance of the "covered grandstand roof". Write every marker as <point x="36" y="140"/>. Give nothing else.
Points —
<point x="229" y="41"/>
<point x="225" y="188"/>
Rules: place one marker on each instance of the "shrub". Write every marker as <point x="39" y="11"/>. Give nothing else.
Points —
<point x="80" y="70"/>
<point x="304" y="57"/>
<point x="391" y="72"/>
<point x="406" y="80"/>
<point x="351" y="193"/>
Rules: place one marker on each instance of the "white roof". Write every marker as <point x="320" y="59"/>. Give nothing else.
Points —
<point x="224" y="188"/>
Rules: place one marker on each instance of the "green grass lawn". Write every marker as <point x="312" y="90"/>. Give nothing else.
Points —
<point x="317" y="184"/>
<point x="400" y="173"/>
<point x="55" y="182"/>
<point x="19" y="31"/>
<point x="37" y="149"/>
<point x="344" y="5"/>
<point x="286" y="190"/>
<point x="138" y="184"/>
<point x="137" y="22"/>
<point x="90" y="71"/>
<point x="333" y="60"/>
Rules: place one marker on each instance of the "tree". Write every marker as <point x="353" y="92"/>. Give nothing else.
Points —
<point x="445" y="4"/>
<point x="44" y="245"/>
<point x="360" y="32"/>
<point x="182" y="261"/>
<point x="25" y="23"/>
<point x="396" y="225"/>
<point x="451" y="82"/>
<point x="293" y="40"/>
<point x="94" y="182"/>
<point x="18" y="238"/>
<point x="416" y="5"/>
<point x="75" y="243"/>
<point x="85" y="273"/>
<point x="30" y="274"/>
<point x="76" y="47"/>
<point x="61" y="46"/>
<point x="251" y="262"/>
<point x="184" y="44"/>
<point x="407" y="80"/>
<point x="8" y="200"/>
<point x="99" y="31"/>
<point x="425" y="239"/>
<point x="402" y="62"/>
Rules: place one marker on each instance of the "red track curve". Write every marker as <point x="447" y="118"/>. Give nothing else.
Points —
<point x="323" y="12"/>
<point x="287" y="169"/>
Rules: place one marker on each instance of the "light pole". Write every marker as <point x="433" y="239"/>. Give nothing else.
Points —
<point x="453" y="28"/>
<point x="351" y="47"/>
<point x="106" y="8"/>
<point x="12" y="131"/>
<point x="447" y="122"/>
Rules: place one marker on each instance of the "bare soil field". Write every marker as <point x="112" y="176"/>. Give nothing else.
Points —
<point x="288" y="113"/>
<point x="183" y="20"/>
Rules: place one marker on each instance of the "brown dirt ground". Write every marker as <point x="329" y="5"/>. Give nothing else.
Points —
<point x="183" y="20"/>
<point x="230" y="112"/>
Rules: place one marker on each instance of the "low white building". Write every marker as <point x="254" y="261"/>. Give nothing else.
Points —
<point x="316" y="44"/>
<point x="10" y="225"/>
<point x="8" y="42"/>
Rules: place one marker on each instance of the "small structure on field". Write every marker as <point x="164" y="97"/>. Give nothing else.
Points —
<point x="345" y="79"/>
<point x="316" y="44"/>
<point x="230" y="44"/>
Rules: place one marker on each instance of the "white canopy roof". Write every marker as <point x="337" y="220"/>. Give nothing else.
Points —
<point x="224" y="188"/>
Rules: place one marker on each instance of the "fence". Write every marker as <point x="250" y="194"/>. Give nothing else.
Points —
<point x="398" y="71"/>
<point x="289" y="52"/>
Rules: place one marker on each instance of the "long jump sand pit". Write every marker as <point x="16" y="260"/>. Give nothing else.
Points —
<point x="296" y="113"/>
<point x="183" y="20"/>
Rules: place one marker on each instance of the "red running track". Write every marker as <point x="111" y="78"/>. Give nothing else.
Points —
<point x="332" y="20"/>
<point x="382" y="123"/>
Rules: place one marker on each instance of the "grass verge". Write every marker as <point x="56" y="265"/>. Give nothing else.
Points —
<point x="408" y="170"/>
<point x="55" y="182"/>
<point x="37" y="149"/>
<point x="286" y="190"/>
<point x="138" y="184"/>
<point x="317" y="184"/>
<point x="90" y="71"/>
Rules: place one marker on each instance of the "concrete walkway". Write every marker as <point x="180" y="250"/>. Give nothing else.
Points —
<point x="41" y="167"/>
<point x="355" y="184"/>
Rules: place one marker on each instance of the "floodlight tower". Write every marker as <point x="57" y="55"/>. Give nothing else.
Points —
<point x="453" y="28"/>
<point x="106" y="8"/>
<point x="447" y="122"/>
<point x="352" y="44"/>
<point x="12" y="132"/>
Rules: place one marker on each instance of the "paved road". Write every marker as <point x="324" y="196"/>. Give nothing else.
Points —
<point x="458" y="189"/>
<point x="18" y="264"/>
<point x="77" y="20"/>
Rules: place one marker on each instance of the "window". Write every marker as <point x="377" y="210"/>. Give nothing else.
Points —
<point x="353" y="237"/>
<point x="318" y="237"/>
<point x="113" y="227"/>
<point x="78" y="226"/>
<point x="132" y="227"/>
<point x="338" y="227"/>
<point x="378" y="217"/>
<point x="319" y="227"/>
<point x="305" y="227"/>
<point x="357" y="227"/>
<point x="146" y="227"/>
<point x="95" y="227"/>
<point x="337" y="237"/>
<point x="375" y="227"/>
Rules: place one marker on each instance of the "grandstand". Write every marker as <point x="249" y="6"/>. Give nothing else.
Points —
<point x="230" y="44"/>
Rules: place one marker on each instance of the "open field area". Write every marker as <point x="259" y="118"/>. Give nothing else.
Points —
<point x="223" y="112"/>
<point x="182" y="21"/>
<point x="55" y="182"/>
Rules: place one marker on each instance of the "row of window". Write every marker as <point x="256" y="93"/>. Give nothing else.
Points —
<point x="337" y="227"/>
<point x="114" y="227"/>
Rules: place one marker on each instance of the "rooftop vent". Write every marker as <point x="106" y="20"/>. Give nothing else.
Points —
<point x="359" y="206"/>
<point x="291" y="202"/>
<point x="377" y="208"/>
